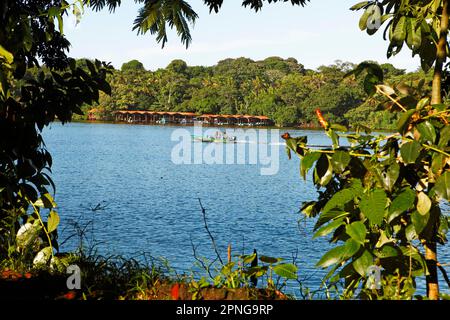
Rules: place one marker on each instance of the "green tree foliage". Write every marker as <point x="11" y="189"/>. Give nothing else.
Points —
<point x="279" y="88"/>
<point x="379" y="199"/>
<point x="132" y="66"/>
<point x="31" y="33"/>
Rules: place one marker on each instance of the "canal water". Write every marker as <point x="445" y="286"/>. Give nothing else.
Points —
<point x="129" y="182"/>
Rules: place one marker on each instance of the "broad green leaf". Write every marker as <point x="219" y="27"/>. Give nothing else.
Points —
<point x="410" y="232"/>
<point x="357" y="231"/>
<point x="269" y="260"/>
<point x="53" y="221"/>
<point x="307" y="162"/>
<point x="444" y="137"/>
<point x="9" y="58"/>
<point x="325" y="230"/>
<point x="402" y="203"/>
<point x="342" y="197"/>
<point x="390" y="176"/>
<point x="351" y="248"/>
<point x="410" y="151"/>
<point x="364" y="18"/>
<point x="419" y="221"/>
<point x="442" y="186"/>
<point x="423" y="203"/>
<point x="372" y="205"/>
<point x="387" y="251"/>
<point x="438" y="162"/>
<point x="399" y="34"/>
<point x="414" y="34"/>
<point x="287" y="270"/>
<point x="331" y="214"/>
<point x="359" y="5"/>
<point x="363" y="263"/>
<point x="403" y="122"/>
<point x="339" y="127"/>
<point x="333" y="256"/>
<point x="324" y="171"/>
<point x="54" y="11"/>
<point x="427" y="132"/>
<point x="340" y="160"/>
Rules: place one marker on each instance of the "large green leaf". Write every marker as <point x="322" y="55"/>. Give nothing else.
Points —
<point x="357" y="231"/>
<point x="410" y="151"/>
<point x="340" y="160"/>
<point x="423" y="203"/>
<point x="329" y="215"/>
<point x="364" y="18"/>
<point x="387" y="251"/>
<point x="325" y="230"/>
<point x="351" y="248"/>
<point x="372" y="205"/>
<point x="427" y="132"/>
<point x="390" y="176"/>
<point x="402" y="203"/>
<point x="269" y="260"/>
<point x="333" y="256"/>
<point x="419" y="221"/>
<point x="359" y="5"/>
<point x="307" y="162"/>
<point x="444" y="137"/>
<point x="363" y="263"/>
<point x="342" y="197"/>
<point x="287" y="270"/>
<point x="324" y="171"/>
<point x="399" y="34"/>
<point x="53" y="221"/>
<point x="442" y="186"/>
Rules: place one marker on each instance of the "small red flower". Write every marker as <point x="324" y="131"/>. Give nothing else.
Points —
<point x="322" y="121"/>
<point x="27" y="275"/>
<point x="286" y="136"/>
<point x="175" y="292"/>
<point x="70" y="295"/>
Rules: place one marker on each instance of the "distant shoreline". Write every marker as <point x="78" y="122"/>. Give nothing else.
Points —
<point x="318" y="128"/>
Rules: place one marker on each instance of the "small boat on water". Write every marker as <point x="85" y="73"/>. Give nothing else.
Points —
<point x="218" y="138"/>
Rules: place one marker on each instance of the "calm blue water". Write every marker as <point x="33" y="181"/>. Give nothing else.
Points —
<point x="151" y="204"/>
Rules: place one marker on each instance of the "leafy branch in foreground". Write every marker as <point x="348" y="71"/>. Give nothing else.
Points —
<point x="379" y="199"/>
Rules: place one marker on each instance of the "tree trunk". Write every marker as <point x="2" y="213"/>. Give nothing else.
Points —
<point x="441" y="55"/>
<point x="436" y="98"/>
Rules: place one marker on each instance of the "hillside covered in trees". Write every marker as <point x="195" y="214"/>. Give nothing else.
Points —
<point x="282" y="89"/>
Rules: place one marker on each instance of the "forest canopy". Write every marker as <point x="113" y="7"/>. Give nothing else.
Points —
<point x="282" y="89"/>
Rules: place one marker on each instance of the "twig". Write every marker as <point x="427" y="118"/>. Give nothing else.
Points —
<point x="444" y="274"/>
<point x="390" y="98"/>
<point x="202" y="263"/>
<point x="209" y="232"/>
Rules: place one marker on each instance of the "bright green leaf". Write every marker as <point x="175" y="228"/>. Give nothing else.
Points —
<point x="410" y="151"/>
<point x="363" y="263"/>
<point x="372" y="205"/>
<point x="340" y="160"/>
<point x="325" y="230"/>
<point x="357" y="231"/>
<point x="53" y="221"/>
<point x="423" y="203"/>
<point x="402" y="203"/>
<point x="287" y="270"/>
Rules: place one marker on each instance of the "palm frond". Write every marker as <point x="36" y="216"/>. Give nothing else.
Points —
<point x="156" y="14"/>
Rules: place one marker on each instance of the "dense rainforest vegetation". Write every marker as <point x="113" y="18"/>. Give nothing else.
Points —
<point x="282" y="89"/>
